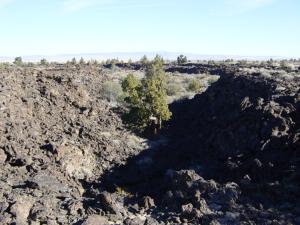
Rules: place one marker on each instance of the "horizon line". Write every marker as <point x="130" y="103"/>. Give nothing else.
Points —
<point x="135" y="54"/>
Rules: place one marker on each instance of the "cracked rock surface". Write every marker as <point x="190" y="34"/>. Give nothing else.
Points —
<point x="55" y="133"/>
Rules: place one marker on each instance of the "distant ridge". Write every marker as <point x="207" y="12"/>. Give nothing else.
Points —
<point x="134" y="56"/>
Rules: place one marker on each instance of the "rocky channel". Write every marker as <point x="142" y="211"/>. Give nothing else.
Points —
<point x="228" y="156"/>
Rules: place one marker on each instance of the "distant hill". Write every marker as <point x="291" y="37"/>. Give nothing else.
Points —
<point x="134" y="56"/>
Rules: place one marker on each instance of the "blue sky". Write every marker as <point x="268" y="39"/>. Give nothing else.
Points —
<point x="229" y="27"/>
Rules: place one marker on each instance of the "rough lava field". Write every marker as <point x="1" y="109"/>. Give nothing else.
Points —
<point x="230" y="155"/>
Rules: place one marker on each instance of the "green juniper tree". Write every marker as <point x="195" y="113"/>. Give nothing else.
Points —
<point x="181" y="59"/>
<point x="44" y="62"/>
<point x="81" y="61"/>
<point x="74" y="62"/>
<point x="136" y="115"/>
<point x="144" y="61"/>
<point x="18" y="61"/>
<point x="146" y="99"/>
<point x="155" y="90"/>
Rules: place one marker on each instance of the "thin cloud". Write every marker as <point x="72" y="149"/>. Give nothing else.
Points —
<point x="5" y="2"/>
<point x="77" y="5"/>
<point x="248" y="4"/>
<point x="236" y="7"/>
<point x="72" y="6"/>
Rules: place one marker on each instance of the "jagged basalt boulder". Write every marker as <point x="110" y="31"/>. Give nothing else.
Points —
<point x="242" y="124"/>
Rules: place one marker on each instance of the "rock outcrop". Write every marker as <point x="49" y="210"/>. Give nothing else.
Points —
<point x="231" y="157"/>
<point x="56" y="133"/>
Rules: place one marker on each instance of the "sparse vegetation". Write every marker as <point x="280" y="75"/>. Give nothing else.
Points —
<point x="212" y="79"/>
<point x="4" y="65"/>
<point x="211" y="62"/>
<point x="242" y="62"/>
<point x="173" y="89"/>
<point x="93" y="62"/>
<point x="112" y="91"/>
<point x="111" y="64"/>
<point x="29" y="64"/>
<point x="194" y="85"/>
<point x="77" y="108"/>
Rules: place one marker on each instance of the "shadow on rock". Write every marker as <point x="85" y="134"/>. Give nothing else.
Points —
<point x="242" y="133"/>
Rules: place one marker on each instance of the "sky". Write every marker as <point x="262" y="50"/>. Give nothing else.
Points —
<point x="211" y="27"/>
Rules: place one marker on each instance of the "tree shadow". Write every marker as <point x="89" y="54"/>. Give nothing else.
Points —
<point x="222" y="134"/>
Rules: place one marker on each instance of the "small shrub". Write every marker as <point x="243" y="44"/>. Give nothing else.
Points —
<point x="229" y="60"/>
<point x="265" y="74"/>
<point x="211" y="62"/>
<point x="194" y="85"/>
<point x="112" y="91"/>
<point x="29" y="64"/>
<point x="113" y="66"/>
<point x="173" y="89"/>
